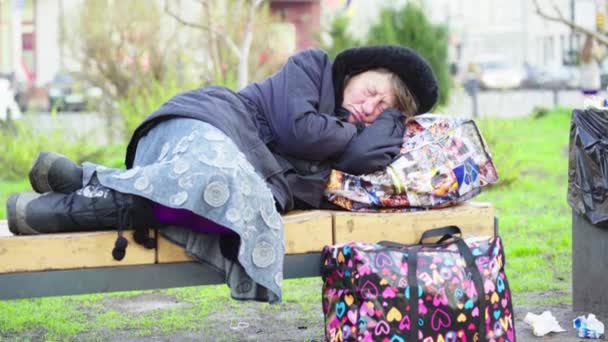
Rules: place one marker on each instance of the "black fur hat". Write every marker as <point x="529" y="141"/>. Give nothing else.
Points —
<point x="406" y="63"/>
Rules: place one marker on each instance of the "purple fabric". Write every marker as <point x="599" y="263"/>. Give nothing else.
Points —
<point x="590" y="91"/>
<point x="186" y="218"/>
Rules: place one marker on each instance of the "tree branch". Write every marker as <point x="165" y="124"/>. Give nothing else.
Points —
<point x="602" y="39"/>
<point x="182" y="21"/>
<point x="243" y="75"/>
<point x="211" y="41"/>
<point x="229" y="42"/>
<point x="236" y="12"/>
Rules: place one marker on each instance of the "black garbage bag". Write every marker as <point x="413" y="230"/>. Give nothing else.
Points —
<point x="588" y="164"/>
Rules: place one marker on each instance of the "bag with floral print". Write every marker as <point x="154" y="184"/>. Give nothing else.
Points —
<point x="443" y="161"/>
<point x="451" y="290"/>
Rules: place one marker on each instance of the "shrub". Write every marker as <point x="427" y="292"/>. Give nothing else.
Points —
<point x="21" y="143"/>
<point x="406" y="26"/>
<point x="143" y="101"/>
<point x="410" y="27"/>
<point x="341" y="39"/>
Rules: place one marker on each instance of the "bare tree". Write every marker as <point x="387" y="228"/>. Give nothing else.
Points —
<point x="119" y="46"/>
<point x="229" y="26"/>
<point x="558" y="16"/>
<point x="131" y="48"/>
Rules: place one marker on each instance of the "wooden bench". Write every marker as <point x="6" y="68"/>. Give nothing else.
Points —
<point x="77" y="263"/>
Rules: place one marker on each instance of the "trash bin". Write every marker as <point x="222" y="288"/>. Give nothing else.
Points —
<point x="588" y="197"/>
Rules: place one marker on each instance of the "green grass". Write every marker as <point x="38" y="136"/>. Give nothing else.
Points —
<point x="6" y="188"/>
<point x="534" y="222"/>
<point x="534" y="217"/>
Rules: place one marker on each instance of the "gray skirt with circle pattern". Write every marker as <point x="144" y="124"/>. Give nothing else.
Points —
<point x="189" y="164"/>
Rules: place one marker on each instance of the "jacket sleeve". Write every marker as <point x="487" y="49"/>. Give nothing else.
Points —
<point x="303" y="99"/>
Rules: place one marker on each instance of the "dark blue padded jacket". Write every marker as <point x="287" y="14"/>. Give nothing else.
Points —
<point x="285" y="125"/>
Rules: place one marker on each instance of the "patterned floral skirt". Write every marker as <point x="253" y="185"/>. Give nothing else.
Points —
<point x="189" y="164"/>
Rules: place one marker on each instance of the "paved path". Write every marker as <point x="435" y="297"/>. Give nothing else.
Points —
<point x="73" y="124"/>
<point x="501" y="104"/>
<point x="510" y="104"/>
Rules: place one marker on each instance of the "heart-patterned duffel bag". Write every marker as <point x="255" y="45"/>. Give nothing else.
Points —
<point x="451" y="290"/>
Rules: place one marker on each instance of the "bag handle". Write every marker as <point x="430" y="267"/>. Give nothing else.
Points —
<point x="477" y="279"/>
<point x="446" y="233"/>
<point x="392" y="244"/>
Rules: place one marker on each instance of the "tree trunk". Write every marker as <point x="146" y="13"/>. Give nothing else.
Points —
<point x="243" y="68"/>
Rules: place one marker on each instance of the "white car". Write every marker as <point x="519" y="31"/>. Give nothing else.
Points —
<point x="558" y="77"/>
<point x="499" y="75"/>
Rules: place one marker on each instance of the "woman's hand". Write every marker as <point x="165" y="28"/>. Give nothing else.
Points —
<point x="375" y="146"/>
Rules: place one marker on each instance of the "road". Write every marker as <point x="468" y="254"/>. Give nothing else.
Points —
<point x="72" y="124"/>
<point x="501" y="104"/>
<point x="510" y="104"/>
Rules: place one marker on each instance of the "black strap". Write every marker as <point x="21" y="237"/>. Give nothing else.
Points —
<point x="412" y="282"/>
<point x="142" y="237"/>
<point x="478" y="281"/>
<point x="120" y="245"/>
<point x="392" y="244"/>
<point x="446" y="232"/>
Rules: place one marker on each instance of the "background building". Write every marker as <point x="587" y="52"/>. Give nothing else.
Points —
<point x="304" y="15"/>
<point x="30" y="30"/>
<point x="29" y="39"/>
<point x="30" y="33"/>
<point x="512" y="29"/>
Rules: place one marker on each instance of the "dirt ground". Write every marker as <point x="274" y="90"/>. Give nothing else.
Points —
<point x="252" y="323"/>
<point x="287" y="322"/>
<point x="563" y="314"/>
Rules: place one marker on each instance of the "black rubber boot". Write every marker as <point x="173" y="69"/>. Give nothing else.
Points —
<point x="55" y="172"/>
<point x="93" y="207"/>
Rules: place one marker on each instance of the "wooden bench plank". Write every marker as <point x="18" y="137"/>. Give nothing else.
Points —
<point x="473" y="218"/>
<point x="138" y="277"/>
<point x="305" y="231"/>
<point x="66" y="251"/>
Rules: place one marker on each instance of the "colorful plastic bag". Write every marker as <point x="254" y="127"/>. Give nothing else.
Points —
<point x="391" y="292"/>
<point x="444" y="160"/>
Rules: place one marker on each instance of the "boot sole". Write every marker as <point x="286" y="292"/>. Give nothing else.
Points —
<point x="39" y="172"/>
<point x="15" y="210"/>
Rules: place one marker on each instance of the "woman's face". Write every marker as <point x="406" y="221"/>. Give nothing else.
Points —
<point x="367" y="95"/>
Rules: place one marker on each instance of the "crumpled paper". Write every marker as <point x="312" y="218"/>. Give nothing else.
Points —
<point x="543" y="324"/>
<point x="588" y="327"/>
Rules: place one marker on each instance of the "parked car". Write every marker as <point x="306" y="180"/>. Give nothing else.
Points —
<point x="497" y="74"/>
<point x="69" y="93"/>
<point x="20" y="89"/>
<point x="604" y="73"/>
<point x="555" y="77"/>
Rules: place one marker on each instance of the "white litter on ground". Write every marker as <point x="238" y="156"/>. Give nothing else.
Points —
<point x="543" y="324"/>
